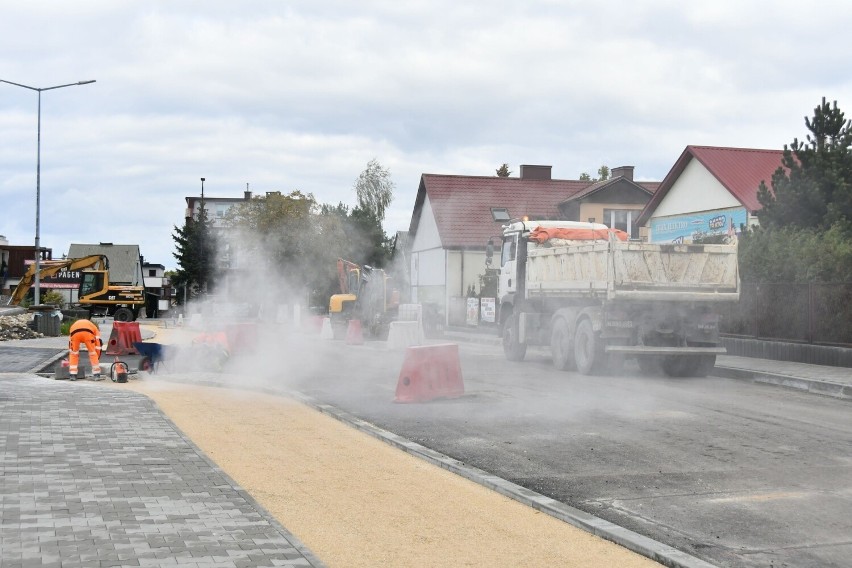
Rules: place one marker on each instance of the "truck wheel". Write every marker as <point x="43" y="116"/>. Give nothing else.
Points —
<point x="684" y="365"/>
<point x="588" y="350"/>
<point x="122" y="314"/>
<point x="512" y="348"/>
<point x="649" y="365"/>
<point x="705" y="365"/>
<point x="561" y="347"/>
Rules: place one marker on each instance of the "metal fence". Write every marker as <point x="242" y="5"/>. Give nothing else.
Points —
<point x="807" y="313"/>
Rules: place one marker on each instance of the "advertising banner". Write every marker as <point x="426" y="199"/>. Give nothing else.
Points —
<point x="682" y="229"/>
<point x="489" y="309"/>
<point x="472" y="311"/>
<point x="64" y="279"/>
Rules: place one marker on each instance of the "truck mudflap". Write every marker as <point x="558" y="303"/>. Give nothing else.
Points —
<point x="652" y="350"/>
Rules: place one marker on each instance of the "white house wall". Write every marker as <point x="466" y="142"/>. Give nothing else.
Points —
<point x="428" y="261"/>
<point x="696" y="189"/>
<point x="427" y="236"/>
<point x="428" y="268"/>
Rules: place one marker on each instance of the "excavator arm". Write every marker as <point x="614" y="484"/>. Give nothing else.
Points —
<point x="50" y="268"/>
<point x="344" y="269"/>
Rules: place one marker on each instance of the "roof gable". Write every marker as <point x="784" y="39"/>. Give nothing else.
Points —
<point x="739" y="170"/>
<point x="462" y="205"/>
<point x="648" y="188"/>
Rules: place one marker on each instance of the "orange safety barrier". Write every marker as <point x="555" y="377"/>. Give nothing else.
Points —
<point x="354" y="334"/>
<point x="242" y="337"/>
<point x="430" y="372"/>
<point x="312" y="324"/>
<point x="122" y="338"/>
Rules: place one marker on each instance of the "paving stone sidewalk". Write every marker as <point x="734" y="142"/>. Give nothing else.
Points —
<point x="91" y="476"/>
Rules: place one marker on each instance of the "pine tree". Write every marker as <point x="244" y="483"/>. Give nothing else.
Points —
<point x="503" y="171"/>
<point x="195" y="251"/>
<point x="813" y="188"/>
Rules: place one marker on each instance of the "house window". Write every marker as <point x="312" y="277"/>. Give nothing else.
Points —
<point x="152" y="272"/>
<point x="619" y="219"/>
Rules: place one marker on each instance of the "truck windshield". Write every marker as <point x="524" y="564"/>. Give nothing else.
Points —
<point x="508" y="252"/>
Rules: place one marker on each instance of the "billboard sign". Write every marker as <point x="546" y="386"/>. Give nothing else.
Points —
<point x="682" y="229"/>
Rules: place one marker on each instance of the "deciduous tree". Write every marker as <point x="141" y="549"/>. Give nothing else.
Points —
<point x="374" y="189"/>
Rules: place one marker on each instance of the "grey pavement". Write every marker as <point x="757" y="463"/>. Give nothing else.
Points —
<point x="91" y="476"/>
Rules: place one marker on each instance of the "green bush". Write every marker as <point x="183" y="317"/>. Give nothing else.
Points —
<point x="53" y="297"/>
<point x="65" y="327"/>
<point x="796" y="255"/>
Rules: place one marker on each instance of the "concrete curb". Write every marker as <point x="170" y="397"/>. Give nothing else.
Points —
<point x="813" y="386"/>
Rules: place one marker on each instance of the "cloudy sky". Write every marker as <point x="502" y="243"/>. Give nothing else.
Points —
<point x="301" y="95"/>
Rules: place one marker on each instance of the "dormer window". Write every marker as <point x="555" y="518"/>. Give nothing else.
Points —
<point x="500" y="214"/>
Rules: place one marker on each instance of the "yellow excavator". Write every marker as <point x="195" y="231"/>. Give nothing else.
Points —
<point x="96" y="294"/>
<point x="366" y="295"/>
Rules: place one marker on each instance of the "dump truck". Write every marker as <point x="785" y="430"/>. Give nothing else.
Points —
<point x="97" y="295"/>
<point x="366" y="295"/>
<point x="595" y="297"/>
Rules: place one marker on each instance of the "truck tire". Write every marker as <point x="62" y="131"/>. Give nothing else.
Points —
<point x="123" y="314"/>
<point x="588" y="349"/>
<point x="512" y="348"/>
<point x="561" y="346"/>
<point x="706" y="364"/>
<point x="649" y="365"/>
<point x="689" y="365"/>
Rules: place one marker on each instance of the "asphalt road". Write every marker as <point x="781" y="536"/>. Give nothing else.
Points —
<point x="732" y="472"/>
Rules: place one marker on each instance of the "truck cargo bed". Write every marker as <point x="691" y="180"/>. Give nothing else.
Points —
<point x="618" y="270"/>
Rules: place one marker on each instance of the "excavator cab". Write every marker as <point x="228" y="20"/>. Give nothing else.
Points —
<point x="91" y="283"/>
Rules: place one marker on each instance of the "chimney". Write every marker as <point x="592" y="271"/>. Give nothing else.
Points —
<point x="623" y="171"/>
<point x="247" y="195"/>
<point x="535" y="172"/>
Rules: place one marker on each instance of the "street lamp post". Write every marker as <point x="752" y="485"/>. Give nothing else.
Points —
<point x="37" y="283"/>
<point x="202" y="217"/>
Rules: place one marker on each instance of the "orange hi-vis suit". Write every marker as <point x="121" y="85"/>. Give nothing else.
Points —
<point x="85" y="332"/>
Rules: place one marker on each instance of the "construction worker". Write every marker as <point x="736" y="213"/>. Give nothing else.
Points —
<point x="85" y="332"/>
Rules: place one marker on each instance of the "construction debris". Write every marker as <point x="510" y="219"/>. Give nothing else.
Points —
<point x="17" y="327"/>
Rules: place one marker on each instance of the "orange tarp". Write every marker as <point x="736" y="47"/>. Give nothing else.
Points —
<point x="542" y="234"/>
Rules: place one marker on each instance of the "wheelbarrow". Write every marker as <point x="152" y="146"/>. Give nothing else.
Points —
<point x="153" y="355"/>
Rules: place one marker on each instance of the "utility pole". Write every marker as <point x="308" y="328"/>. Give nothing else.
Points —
<point x="202" y="217"/>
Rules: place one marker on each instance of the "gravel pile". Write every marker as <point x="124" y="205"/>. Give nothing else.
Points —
<point x="17" y="327"/>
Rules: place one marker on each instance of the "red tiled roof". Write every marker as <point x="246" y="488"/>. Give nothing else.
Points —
<point x="739" y="170"/>
<point x="462" y="204"/>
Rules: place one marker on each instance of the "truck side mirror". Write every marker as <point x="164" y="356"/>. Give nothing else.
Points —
<point x="489" y="253"/>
